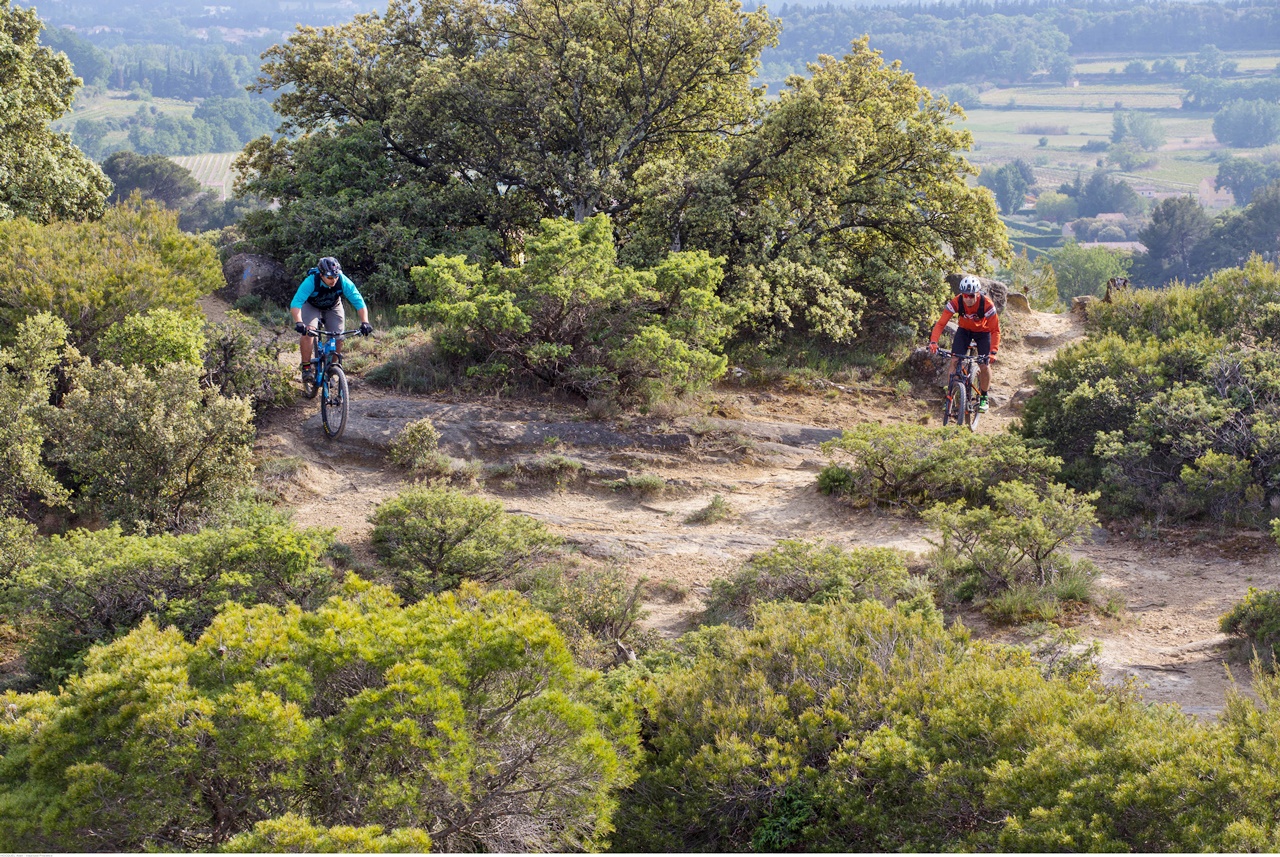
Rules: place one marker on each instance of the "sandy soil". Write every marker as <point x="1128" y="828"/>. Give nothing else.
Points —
<point x="1175" y="586"/>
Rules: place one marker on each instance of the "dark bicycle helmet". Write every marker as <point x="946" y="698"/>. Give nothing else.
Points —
<point x="329" y="267"/>
<point x="970" y="285"/>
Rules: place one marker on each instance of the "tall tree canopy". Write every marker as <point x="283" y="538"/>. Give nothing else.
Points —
<point x="478" y="118"/>
<point x="42" y="176"/>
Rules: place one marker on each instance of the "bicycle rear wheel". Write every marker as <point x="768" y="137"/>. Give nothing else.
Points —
<point x="957" y="404"/>
<point x="335" y="403"/>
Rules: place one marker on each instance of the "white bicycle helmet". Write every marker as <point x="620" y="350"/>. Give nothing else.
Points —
<point x="970" y="285"/>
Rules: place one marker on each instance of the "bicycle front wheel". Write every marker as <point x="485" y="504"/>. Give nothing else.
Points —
<point x="335" y="403"/>
<point x="973" y="413"/>
<point x="957" y="404"/>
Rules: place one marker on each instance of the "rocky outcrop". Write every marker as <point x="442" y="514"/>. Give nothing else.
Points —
<point x="253" y="274"/>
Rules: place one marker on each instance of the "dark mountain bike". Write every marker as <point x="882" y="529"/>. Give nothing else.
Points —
<point x="325" y="376"/>
<point x="962" y="396"/>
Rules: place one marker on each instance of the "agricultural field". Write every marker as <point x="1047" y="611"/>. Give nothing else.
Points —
<point x="1048" y="126"/>
<point x="213" y="171"/>
<point x="112" y="104"/>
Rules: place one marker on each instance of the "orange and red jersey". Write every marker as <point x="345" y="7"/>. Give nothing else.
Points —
<point x="979" y="319"/>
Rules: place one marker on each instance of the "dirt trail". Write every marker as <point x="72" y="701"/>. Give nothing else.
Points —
<point x="759" y="452"/>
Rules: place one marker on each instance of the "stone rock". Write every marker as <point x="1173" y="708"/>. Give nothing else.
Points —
<point x="1080" y="305"/>
<point x="1018" y="301"/>
<point x="253" y="274"/>
<point x="1040" y="339"/>
<point x="1019" y="399"/>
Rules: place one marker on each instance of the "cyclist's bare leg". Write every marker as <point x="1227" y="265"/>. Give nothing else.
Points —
<point x="304" y="347"/>
<point x="984" y="377"/>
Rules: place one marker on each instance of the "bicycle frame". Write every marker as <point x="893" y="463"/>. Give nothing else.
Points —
<point x="329" y="380"/>
<point x="963" y="374"/>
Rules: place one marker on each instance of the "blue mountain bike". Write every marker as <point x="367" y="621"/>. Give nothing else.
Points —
<point x="325" y="376"/>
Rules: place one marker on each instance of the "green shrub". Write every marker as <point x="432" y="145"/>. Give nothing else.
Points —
<point x="433" y="538"/>
<point x="153" y="339"/>
<point x="641" y="484"/>
<point x="92" y="587"/>
<point x="572" y="319"/>
<point x="292" y="834"/>
<point x="810" y="572"/>
<point x="417" y="448"/>
<point x="1257" y="620"/>
<point x="151" y="449"/>
<point x="857" y="728"/>
<point x="553" y="469"/>
<point x="94" y="273"/>
<point x="240" y="361"/>
<point x="718" y="509"/>
<point x="462" y="718"/>
<point x="595" y="608"/>
<point x="26" y="382"/>
<point x="1173" y="411"/>
<point x="916" y="466"/>
<point x="1016" y="545"/>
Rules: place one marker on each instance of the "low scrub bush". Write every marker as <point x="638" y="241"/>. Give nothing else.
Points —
<point x="810" y="572"/>
<point x="718" y="509"/>
<point x="153" y="339"/>
<point x="595" y="608"/>
<point x="94" y="273"/>
<point x="1256" y="620"/>
<point x="27" y="377"/>
<point x="461" y="721"/>
<point x="641" y="484"/>
<point x="1014" y="551"/>
<point x="1172" y="411"/>
<point x="431" y="539"/>
<point x="92" y="587"/>
<point x="417" y="448"/>
<point x="916" y="466"/>
<point x="152" y="449"/>
<point x="239" y="360"/>
<point x="571" y="318"/>
<point x="858" y="728"/>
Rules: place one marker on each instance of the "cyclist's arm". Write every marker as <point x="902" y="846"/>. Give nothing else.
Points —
<point x="353" y="296"/>
<point x="995" y="332"/>
<point x="305" y="290"/>
<point x="936" y="333"/>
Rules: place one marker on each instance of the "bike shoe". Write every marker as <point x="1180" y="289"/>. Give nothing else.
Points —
<point x="982" y="403"/>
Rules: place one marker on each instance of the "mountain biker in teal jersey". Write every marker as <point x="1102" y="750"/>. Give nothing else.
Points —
<point x="320" y="296"/>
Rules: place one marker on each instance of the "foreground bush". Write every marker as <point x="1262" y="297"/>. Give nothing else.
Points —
<point x="26" y="381"/>
<point x="461" y="719"/>
<point x="433" y="538"/>
<point x="808" y="572"/>
<point x="1256" y="620"/>
<point x="1018" y="543"/>
<point x="151" y="449"/>
<point x="153" y="339"/>
<point x="92" y="274"/>
<point x="857" y="728"/>
<point x="916" y="466"/>
<point x="572" y="319"/>
<point x="92" y="587"/>
<point x="240" y="362"/>
<point x="1172" y="411"/>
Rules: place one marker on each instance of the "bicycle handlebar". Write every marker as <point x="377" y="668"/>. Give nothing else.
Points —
<point x="980" y="358"/>
<point x="317" y="333"/>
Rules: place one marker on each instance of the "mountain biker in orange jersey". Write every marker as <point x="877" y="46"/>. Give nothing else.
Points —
<point x="976" y="321"/>
<point x="319" y="296"/>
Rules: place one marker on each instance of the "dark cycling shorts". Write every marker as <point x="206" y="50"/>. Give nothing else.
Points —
<point x="963" y="337"/>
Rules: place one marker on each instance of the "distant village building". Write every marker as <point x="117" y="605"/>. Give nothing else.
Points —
<point x="1210" y="197"/>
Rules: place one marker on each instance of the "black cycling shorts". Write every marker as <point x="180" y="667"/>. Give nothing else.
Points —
<point x="963" y="337"/>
